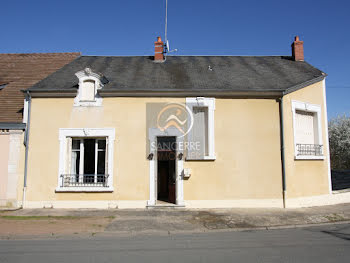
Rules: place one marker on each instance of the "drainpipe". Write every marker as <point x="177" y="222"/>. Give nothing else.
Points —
<point x="26" y="142"/>
<point x="284" y="187"/>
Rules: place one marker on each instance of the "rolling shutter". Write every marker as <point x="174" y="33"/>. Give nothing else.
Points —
<point x="304" y="127"/>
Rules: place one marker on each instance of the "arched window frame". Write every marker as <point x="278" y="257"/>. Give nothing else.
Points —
<point x="88" y="75"/>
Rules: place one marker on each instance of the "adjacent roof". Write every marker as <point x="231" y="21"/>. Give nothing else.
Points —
<point x="21" y="71"/>
<point x="185" y="73"/>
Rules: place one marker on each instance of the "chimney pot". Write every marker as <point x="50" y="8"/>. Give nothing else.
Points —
<point x="298" y="49"/>
<point x="159" y="50"/>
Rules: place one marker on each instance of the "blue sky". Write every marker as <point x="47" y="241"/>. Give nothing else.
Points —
<point x="196" y="27"/>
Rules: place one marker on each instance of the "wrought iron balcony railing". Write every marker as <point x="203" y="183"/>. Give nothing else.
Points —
<point x="84" y="180"/>
<point x="309" y="149"/>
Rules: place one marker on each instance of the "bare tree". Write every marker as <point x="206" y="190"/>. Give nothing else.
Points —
<point x="339" y="142"/>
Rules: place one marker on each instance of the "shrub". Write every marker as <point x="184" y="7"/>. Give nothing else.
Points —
<point x="339" y="142"/>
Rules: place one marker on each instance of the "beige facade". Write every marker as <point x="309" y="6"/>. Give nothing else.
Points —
<point x="4" y="157"/>
<point x="247" y="170"/>
<point x="305" y="177"/>
<point x="11" y="167"/>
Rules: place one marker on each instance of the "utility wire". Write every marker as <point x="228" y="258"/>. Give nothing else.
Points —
<point x="334" y="87"/>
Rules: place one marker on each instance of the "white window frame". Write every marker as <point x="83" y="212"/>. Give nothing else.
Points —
<point x="88" y="75"/>
<point x="209" y="103"/>
<point x="316" y="110"/>
<point x="64" y="135"/>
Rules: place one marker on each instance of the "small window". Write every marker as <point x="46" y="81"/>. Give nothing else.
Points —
<point x="307" y="131"/>
<point x="88" y="91"/>
<point x="201" y="136"/>
<point x="200" y="130"/>
<point x="89" y="85"/>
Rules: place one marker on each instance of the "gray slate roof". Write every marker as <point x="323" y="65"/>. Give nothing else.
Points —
<point x="179" y="73"/>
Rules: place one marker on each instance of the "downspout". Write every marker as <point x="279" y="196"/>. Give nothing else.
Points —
<point x="26" y="144"/>
<point x="284" y="187"/>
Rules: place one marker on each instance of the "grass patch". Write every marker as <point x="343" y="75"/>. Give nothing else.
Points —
<point x="334" y="217"/>
<point x="95" y="225"/>
<point x="39" y="217"/>
<point x="110" y="217"/>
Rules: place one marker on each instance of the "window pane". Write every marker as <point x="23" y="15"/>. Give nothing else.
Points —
<point x="101" y="144"/>
<point x="75" y="144"/>
<point x="89" y="156"/>
<point x="101" y="162"/>
<point x="75" y="162"/>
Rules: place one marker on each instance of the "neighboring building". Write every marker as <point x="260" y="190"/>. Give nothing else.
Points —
<point x="101" y="128"/>
<point x="19" y="72"/>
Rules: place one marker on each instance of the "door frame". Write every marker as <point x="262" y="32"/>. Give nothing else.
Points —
<point x="153" y="169"/>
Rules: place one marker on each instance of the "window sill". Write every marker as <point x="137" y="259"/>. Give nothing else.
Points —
<point x="205" y="158"/>
<point x="306" y="157"/>
<point x="90" y="104"/>
<point x="84" y="189"/>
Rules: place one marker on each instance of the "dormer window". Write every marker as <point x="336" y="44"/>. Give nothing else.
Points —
<point x="89" y="84"/>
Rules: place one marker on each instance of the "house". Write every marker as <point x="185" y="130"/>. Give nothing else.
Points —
<point x="183" y="131"/>
<point x="19" y="72"/>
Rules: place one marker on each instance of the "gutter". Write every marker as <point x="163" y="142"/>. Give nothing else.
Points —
<point x="12" y="126"/>
<point x="256" y="93"/>
<point x="26" y="144"/>
<point x="284" y="187"/>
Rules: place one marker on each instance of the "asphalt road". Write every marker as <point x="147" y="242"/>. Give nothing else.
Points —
<point x="312" y="244"/>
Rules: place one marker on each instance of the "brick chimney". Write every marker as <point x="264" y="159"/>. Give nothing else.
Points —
<point x="158" y="50"/>
<point x="298" y="49"/>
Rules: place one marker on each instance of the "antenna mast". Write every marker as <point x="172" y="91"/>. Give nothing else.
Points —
<point x="166" y="21"/>
<point x="166" y="42"/>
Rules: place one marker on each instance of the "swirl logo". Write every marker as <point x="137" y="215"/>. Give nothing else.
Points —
<point x="175" y="115"/>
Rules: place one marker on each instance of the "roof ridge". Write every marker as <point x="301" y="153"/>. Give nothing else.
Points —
<point x="41" y="54"/>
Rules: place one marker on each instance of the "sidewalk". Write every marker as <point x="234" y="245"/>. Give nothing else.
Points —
<point x="31" y="223"/>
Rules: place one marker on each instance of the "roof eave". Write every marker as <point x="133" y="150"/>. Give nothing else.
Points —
<point x="251" y="93"/>
<point x="46" y="93"/>
<point x="12" y="126"/>
<point x="305" y="84"/>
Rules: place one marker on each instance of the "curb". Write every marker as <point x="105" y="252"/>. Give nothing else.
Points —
<point x="260" y="228"/>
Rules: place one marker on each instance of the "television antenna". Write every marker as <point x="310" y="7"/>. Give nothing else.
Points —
<point x="167" y="46"/>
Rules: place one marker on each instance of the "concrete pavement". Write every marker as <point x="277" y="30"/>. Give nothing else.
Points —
<point x="38" y="223"/>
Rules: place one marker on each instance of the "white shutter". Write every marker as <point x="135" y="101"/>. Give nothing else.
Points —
<point x="304" y="127"/>
<point x="88" y="91"/>
<point x="200" y="130"/>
